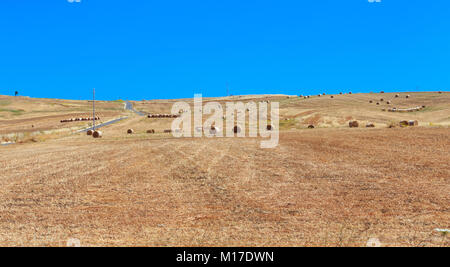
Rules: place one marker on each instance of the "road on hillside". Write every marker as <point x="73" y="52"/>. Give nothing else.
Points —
<point x="129" y="106"/>
<point x="103" y="124"/>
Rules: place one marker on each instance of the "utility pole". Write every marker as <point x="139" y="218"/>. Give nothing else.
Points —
<point x="93" y="109"/>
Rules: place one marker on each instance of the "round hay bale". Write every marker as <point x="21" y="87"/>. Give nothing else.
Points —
<point x="237" y="129"/>
<point x="130" y="131"/>
<point x="350" y="93"/>
<point x="440" y="92"/>
<point x="397" y="95"/>
<point x="370" y="101"/>
<point x="151" y="131"/>
<point x="382" y="99"/>
<point x="340" y="93"/>
<point x="167" y="131"/>
<point x="214" y="130"/>
<point x="89" y="132"/>
<point x="331" y="97"/>
<point x="311" y="127"/>
<point x="382" y="92"/>
<point x="404" y="123"/>
<point x="378" y="103"/>
<point x="97" y="134"/>
<point x="353" y="124"/>
<point x="269" y="128"/>
<point x="408" y="96"/>
<point x="388" y="102"/>
<point x="370" y="125"/>
<point x="413" y="123"/>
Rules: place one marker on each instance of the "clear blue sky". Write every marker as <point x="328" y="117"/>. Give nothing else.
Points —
<point x="175" y="48"/>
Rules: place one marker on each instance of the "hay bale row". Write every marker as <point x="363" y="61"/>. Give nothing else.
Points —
<point x="353" y="124"/>
<point x="159" y="116"/>
<point x="403" y="110"/>
<point x="411" y="123"/>
<point x="152" y="131"/>
<point x="381" y="100"/>
<point x="80" y="119"/>
<point x="370" y="125"/>
<point x="167" y="131"/>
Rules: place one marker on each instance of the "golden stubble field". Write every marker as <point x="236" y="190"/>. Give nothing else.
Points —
<point x="322" y="187"/>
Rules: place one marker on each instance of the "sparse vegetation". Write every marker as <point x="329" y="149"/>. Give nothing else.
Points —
<point x="324" y="187"/>
<point x="15" y="112"/>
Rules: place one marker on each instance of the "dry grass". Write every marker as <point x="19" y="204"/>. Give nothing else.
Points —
<point x="29" y="115"/>
<point x="316" y="188"/>
<point x="322" y="187"/>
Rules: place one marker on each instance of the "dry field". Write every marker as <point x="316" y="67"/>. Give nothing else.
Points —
<point x="29" y="116"/>
<point x="330" y="186"/>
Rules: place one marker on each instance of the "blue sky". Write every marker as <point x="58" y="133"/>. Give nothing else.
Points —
<point x="173" y="48"/>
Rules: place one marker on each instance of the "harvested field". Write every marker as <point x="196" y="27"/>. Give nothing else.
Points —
<point x="316" y="188"/>
<point x="331" y="186"/>
<point x="46" y="114"/>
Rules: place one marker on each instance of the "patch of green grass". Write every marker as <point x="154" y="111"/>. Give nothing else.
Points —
<point x="4" y="102"/>
<point x="15" y="112"/>
<point x="287" y="124"/>
<point x="428" y="109"/>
